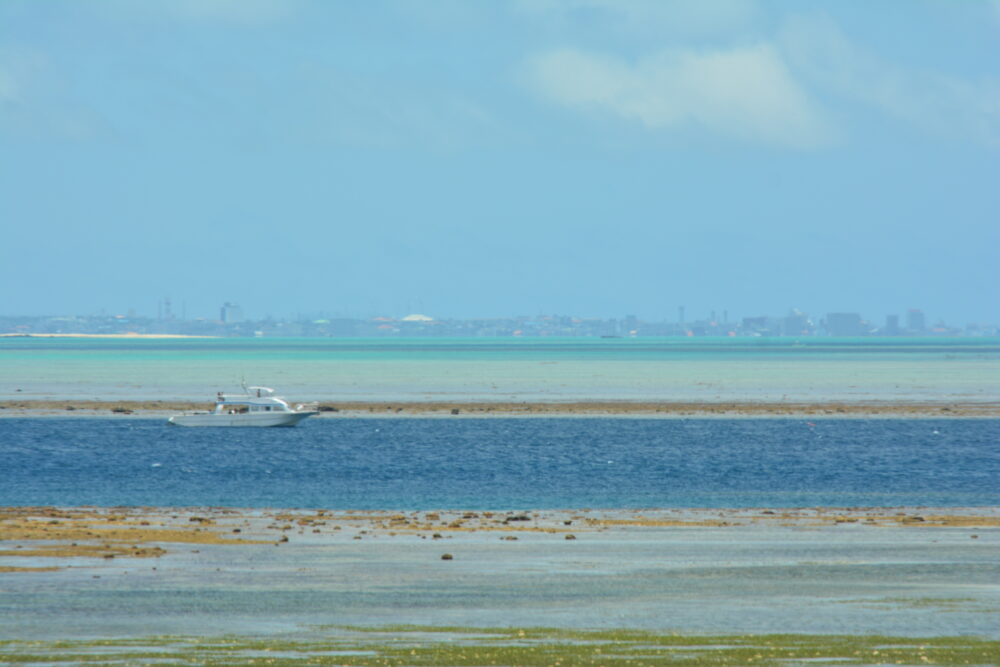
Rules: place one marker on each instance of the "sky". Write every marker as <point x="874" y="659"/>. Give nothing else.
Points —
<point x="596" y="158"/>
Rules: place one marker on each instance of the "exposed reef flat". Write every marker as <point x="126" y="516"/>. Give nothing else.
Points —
<point x="92" y="532"/>
<point x="576" y="586"/>
<point x="817" y="409"/>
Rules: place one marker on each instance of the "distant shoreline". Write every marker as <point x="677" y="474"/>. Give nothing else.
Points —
<point x="665" y="409"/>
<point x="84" y="335"/>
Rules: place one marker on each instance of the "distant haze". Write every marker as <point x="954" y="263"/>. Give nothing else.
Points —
<point x="587" y="157"/>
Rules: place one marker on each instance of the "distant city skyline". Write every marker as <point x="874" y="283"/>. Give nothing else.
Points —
<point x="231" y="321"/>
<point x="595" y="157"/>
<point x="172" y="309"/>
<point x="229" y="311"/>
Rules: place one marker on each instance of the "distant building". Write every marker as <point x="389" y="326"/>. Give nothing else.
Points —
<point x="845" y="324"/>
<point x="891" y="325"/>
<point x="915" y="320"/>
<point x="230" y="313"/>
<point x="796" y="324"/>
<point x="761" y="326"/>
<point x="164" y="311"/>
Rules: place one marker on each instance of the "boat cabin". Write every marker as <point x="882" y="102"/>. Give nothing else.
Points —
<point x="256" y="399"/>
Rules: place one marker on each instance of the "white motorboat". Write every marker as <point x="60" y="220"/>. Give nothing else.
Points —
<point x="258" y="406"/>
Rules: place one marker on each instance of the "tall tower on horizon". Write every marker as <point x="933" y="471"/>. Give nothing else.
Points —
<point x="231" y="313"/>
<point x="164" y="312"/>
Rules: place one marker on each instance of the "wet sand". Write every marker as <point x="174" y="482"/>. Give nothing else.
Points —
<point x="819" y="409"/>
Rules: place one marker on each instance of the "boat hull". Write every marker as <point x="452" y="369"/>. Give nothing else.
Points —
<point x="241" y="420"/>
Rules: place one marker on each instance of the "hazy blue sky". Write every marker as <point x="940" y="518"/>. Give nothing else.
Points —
<point x="462" y="159"/>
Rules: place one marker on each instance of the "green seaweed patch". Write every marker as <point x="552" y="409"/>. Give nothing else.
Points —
<point x="391" y="646"/>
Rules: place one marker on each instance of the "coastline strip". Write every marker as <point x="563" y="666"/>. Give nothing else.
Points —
<point x="942" y="409"/>
<point x="102" y="335"/>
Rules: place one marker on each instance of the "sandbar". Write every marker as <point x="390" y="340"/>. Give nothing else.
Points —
<point x="663" y="409"/>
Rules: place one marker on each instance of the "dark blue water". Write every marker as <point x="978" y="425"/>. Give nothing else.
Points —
<point x="503" y="463"/>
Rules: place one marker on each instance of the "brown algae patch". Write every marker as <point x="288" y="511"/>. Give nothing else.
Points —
<point x="958" y="521"/>
<point x="894" y="517"/>
<point x="97" y="533"/>
<point x="75" y="550"/>
<point x="660" y="523"/>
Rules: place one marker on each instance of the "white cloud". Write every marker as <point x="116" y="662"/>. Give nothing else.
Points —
<point x="343" y="108"/>
<point x="18" y="67"/>
<point x="8" y="88"/>
<point x="34" y="99"/>
<point x="245" y="12"/>
<point x="933" y="102"/>
<point x="744" y="93"/>
<point x="649" y="17"/>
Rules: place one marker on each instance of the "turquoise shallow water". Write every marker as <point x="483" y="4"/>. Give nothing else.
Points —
<point x="922" y="369"/>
